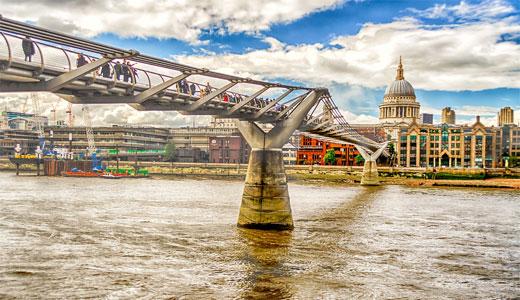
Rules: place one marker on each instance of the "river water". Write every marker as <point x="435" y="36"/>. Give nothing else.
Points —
<point x="71" y="238"/>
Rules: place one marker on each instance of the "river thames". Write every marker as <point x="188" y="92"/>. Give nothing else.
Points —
<point x="72" y="238"/>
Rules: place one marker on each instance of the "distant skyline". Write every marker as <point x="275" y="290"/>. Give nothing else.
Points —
<point x="462" y="54"/>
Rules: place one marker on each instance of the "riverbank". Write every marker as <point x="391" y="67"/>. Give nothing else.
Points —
<point x="327" y="175"/>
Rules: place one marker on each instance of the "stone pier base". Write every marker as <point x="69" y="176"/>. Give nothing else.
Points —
<point x="265" y="201"/>
<point x="370" y="175"/>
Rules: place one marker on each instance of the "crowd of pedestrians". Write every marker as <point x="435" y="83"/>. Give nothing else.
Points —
<point x="128" y="72"/>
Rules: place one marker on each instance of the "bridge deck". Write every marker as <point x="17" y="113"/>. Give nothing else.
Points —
<point x="156" y="84"/>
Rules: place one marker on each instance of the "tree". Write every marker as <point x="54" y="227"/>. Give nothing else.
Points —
<point x="391" y="148"/>
<point x="169" y="152"/>
<point x="330" y="157"/>
<point x="359" y="159"/>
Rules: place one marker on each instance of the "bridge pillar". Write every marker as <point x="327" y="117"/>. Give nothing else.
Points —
<point x="265" y="200"/>
<point x="370" y="175"/>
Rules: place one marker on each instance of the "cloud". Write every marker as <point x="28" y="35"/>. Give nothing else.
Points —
<point x="101" y="115"/>
<point x="359" y="118"/>
<point x="182" y="20"/>
<point x="451" y="58"/>
<point x="465" y="11"/>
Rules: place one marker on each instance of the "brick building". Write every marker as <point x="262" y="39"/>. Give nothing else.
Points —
<point x="228" y="149"/>
<point x="312" y="151"/>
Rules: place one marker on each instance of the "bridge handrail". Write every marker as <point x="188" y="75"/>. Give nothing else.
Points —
<point x="94" y="47"/>
<point x="259" y="102"/>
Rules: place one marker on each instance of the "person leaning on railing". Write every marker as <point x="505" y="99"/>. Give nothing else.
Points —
<point x="28" y="48"/>
<point x="81" y="60"/>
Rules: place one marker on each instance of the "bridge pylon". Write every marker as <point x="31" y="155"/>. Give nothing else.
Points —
<point x="370" y="175"/>
<point x="265" y="200"/>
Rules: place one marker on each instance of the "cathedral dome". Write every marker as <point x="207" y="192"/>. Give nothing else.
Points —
<point x="400" y="87"/>
<point x="399" y="103"/>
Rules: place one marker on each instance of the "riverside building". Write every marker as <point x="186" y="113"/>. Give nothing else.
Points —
<point x="445" y="145"/>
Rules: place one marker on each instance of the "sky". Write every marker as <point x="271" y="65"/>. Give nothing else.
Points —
<point x="462" y="54"/>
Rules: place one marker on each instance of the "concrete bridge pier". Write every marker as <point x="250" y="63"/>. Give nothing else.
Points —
<point x="265" y="200"/>
<point x="370" y="175"/>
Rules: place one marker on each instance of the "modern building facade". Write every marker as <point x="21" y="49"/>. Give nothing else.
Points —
<point x="198" y="137"/>
<point x="122" y="138"/>
<point x="426" y="118"/>
<point x="475" y="146"/>
<point x="9" y="138"/>
<point x="448" y="116"/>
<point x="400" y="106"/>
<point x="506" y="116"/>
<point x="21" y="121"/>
<point x="289" y="154"/>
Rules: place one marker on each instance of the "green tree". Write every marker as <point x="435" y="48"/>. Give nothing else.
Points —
<point x="391" y="148"/>
<point x="359" y="159"/>
<point x="169" y="152"/>
<point x="330" y="157"/>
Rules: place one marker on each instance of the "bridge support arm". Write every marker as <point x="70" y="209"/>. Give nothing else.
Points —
<point x="370" y="174"/>
<point x="238" y="106"/>
<point x="209" y="97"/>
<point x="145" y="95"/>
<point x="265" y="200"/>
<point x="271" y="104"/>
<point x="60" y="81"/>
<point x="56" y="83"/>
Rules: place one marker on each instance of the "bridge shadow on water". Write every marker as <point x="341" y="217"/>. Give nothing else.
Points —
<point x="291" y="264"/>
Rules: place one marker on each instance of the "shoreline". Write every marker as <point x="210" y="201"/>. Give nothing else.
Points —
<point x="314" y="175"/>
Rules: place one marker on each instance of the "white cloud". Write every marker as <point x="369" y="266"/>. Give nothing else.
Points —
<point x="359" y="118"/>
<point x="101" y="115"/>
<point x="464" y="11"/>
<point x="183" y="20"/>
<point x="452" y="58"/>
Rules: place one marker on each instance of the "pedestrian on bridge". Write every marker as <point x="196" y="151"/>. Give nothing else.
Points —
<point x="28" y="48"/>
<point x="193" y="89"/>
<point x="118" y="69"/>
<point x="81" y="60"/>
<point x="126" y="71"/>
<point x="105" y="71"/>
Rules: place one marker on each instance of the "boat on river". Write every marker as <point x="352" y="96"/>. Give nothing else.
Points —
<point x="112" y="176"/>
<point x="80" y="174"/>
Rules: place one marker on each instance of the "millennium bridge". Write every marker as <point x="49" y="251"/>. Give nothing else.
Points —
<point x="86" y="72"/>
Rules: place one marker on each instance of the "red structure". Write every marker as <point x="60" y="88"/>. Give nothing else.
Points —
<point x="228" y="149"/>
<point x="312" y="151"/>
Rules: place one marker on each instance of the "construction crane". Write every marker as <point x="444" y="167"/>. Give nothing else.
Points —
<point x="38" y="120"/>
<point x="91" y="149"/>
<point x="24" y="105"/>
<point x="53" y="112"/>
<point x="70" y="115"/>
<point x="87" y="121"/>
